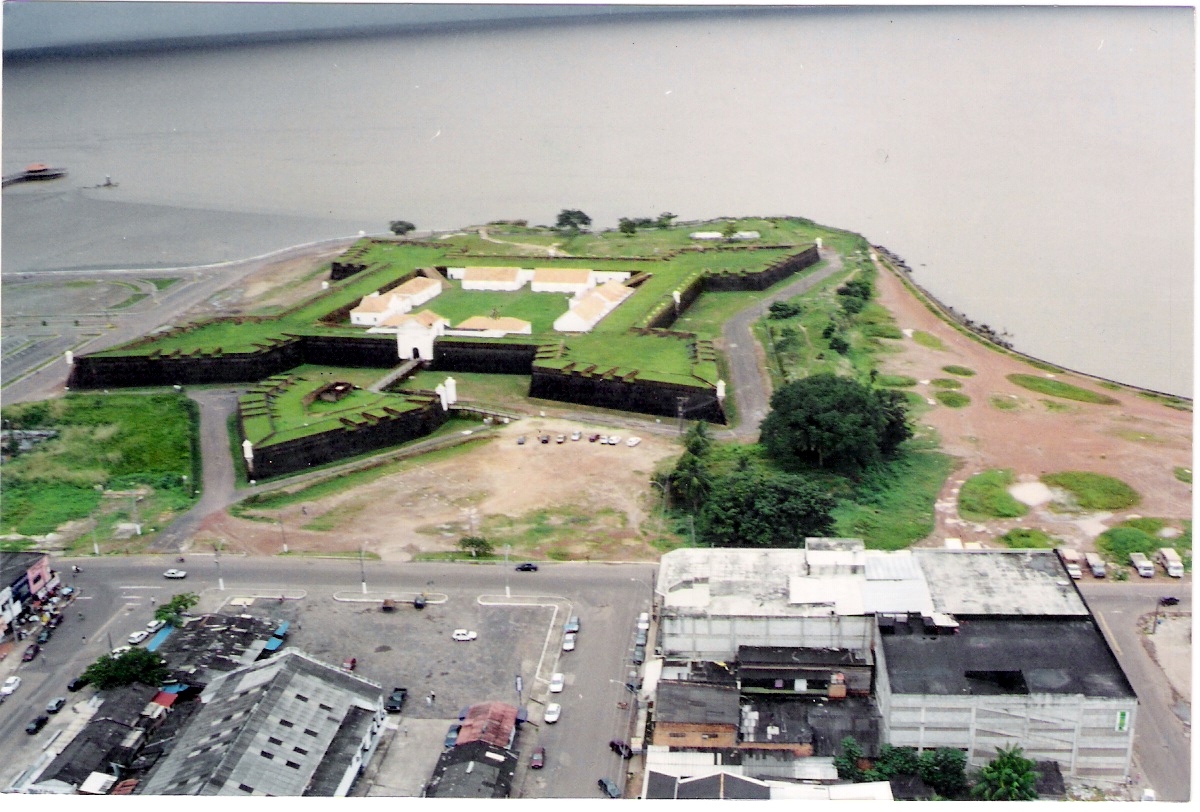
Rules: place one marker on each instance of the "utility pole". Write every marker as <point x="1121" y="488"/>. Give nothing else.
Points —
<point x="217" y="559"/>
<point x="362" y="567"/>
<point x="679" y="411"/>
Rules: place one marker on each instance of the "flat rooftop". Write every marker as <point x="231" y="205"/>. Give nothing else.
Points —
<point x="996" y="656"/>
<point x="999" y="582"/>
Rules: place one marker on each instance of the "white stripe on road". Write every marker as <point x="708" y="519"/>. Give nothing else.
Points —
<point x="136" y="586"/>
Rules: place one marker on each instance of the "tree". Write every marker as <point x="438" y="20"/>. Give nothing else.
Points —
<point x="690" y="480"/>
<point x="847" y="761"/>
<point x="136" y="665"/>
<point x="1008" y="777"/>
<point x="475" y="545"/>
<point x="627" y="226"/>
<point x="697" y="440"/>
<point x="784" y="310"/>
<point x="756" y="508"/>
<point x="729" y="230"/>
<point x="664" y="219"/>
<point x="833" y="421"/>
<point x="400" y="227"/>
<point x="172" y="611"/>
<point x="572" y="220"/>
<point x="944" y="769"/>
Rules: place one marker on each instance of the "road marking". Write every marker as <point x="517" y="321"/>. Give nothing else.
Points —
<point x="1108" y="633"/>
<point x="134" y="586"/>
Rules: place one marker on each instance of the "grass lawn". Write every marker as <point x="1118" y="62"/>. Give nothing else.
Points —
<point x="1005" y="402"/>
<point x="985" y="496"/>
<point x="1183" y="474"/>
<point x="1058" y="389"/>
<point x="955" y="400"/>
<point x="895" y="380"/>
<point x="1094" y="491"/>
<point x="893" y="508"/>
<point x="1022" y="538"/>
<point x="928" y="340"/>
<point x="946" y="383"/>
<point x="955" y="369"/>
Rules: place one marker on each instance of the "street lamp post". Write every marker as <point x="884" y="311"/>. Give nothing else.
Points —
<point x="507" y="591"/>
<point x="362" y="566"/>
<point x="217" y="559"/>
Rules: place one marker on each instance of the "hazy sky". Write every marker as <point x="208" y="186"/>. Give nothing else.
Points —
<point x="41" y="24"/>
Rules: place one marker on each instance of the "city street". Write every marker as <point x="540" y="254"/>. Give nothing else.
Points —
<point x="517" y="615"/>
<point x="1162" y="742"/>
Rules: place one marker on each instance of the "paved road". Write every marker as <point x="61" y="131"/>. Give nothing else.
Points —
<point x="749" y="380"/>
<point x="1162" y="741"/>
<point x="406" y="647"/>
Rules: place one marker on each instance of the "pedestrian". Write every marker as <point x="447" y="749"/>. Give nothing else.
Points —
<point x="429" y="700"/>
<point x="432" y="697"/>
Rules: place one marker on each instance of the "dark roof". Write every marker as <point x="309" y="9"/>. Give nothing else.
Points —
<point x="1050" y="784"/>
<point x="14" y="565"/>
<point x="696" y="703"/>
<point x="491" y="722"/>
<point x="750" y="656"/>
<point x="1005" y="656"/>
<point x="99" y="743"/>
<point x="340" y="752"/>
<point x="821" y="723"/>
<point x="473" y="770"/>
<point x="722" y="786"/>
<point x="660" y="786"/>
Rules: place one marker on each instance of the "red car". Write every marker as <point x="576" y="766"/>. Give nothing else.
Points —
<point x="538" y="759"/>
<point x="30" y="652"/>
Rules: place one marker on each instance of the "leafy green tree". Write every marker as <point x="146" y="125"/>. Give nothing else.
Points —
<point x="690" y="480"/>
<point x="755" y="508"/>
<point x="856" y="289"/>
<point x="627" y="226"/>
<point x="173" y="610"/>
<point x="839" y="344"/>
<point x="697" y="440"/>
<point x="136" y="665"/>
<point x="400" y="227"/>
<point x="1008" y="777"/>
<point x="944" y="769"/>
<point x="664" y="220"/>
<point x="729" y="230"/>
<point x="852" y="305"/>
<point x="896" y="761"/>
<point x="784" y="310"/>
<point x="847" y="760"/>
<point x="475" y="545"/>
<point x="833" y="421"/>
<point x="572" y="220"/>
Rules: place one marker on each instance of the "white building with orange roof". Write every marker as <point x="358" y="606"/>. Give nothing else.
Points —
<point x="485" y="327"/>
<point x="562" y="280"/>
<point x="489" y="278"/>
<point x="415" y="332"/>
<point x="586" y="310"/>
<point x="376" y="307"/>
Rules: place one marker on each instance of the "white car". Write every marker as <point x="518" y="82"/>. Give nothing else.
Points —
<point x="138" y="637"/>
<point x="463" y="636"/>
<point x="632" y="441"/>
<point x="576" y="435"/>
<point x="11" y="684"/>
<point x="175" y="574"/>
<point x="556" y="683"/>
<point x="553" y="711"/>
<point x="155" y="625"/>
<point x="119" y="650"/>
<point x="614" y="440"/>
<point x="569" y="642"/>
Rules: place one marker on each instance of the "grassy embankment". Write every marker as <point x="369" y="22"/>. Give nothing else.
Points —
<point x="109" y="451"/>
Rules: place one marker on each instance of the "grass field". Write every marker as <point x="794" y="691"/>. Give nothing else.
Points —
<point x="986" y="496"/>
<point x="955" y="400"/>
<point x="955" y="369"/>
<point x="1094" y="491"/>
<point x="1022" y="538"/>
<point x="1058" y="389"/>
<point x="893" y="508"/>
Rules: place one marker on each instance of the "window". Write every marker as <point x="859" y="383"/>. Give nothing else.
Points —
<point x="286" y="723"/>
<point x="1122" y="721"/>
<point x="325" y="707"/>
<point x="301" y="751"/>
<point x="309" y="732"/>
<point x="274" y="740"/>
<point x="245" y="788"/>
<point x="302" y="698"/>
<point x="266" y="755"/>
<point x="293" y="765"/>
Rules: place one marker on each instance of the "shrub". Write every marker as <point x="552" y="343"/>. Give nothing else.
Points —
<point x="1023" y="538"/>
<point x="1094" y="491"/>
<point x="955" y="369"/>
<point x="955" y="400"/>
<point x="784" y="310"/>
<point x="945" y="383"/>
<point x="985" y="496"/>
<point x="1118" y="542"/>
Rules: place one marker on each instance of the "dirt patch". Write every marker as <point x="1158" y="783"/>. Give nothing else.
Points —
<point x="278" y="284"/>
<point x="1171" y="648"/>
<point x="1035" y="438"/>
<point x="572" y="500"/>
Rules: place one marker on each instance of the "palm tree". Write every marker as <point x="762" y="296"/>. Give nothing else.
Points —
<point x="1008" y="777"/>
<point x="690" y="480"/>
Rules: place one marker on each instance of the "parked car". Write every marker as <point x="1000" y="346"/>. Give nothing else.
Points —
<point x="609" y="787"/>
<point x="10" y="685"/>
<point x="44" y="636"/>
<point x="521" y="440"/>
<point x="553" y="711"/>
<point x="419" y="602"/>
<point x="557" y="681"/>
<point x="56" y="704"/>
<point x="176" y="574"/>
<point x="119" y="650"/>
<point x="614" y="440"/>
<point x="576" y="435"/>
<point x="463" y="635"/>
<point x="572" y="625"/>
<point x="593" y="438"/>
<point x="560" y="439"/>
<point x="526" y="567"/>
<point x="537" y="759"/>
<point x="643" y="620"/>
<point x="138" y="637"/>
<point x="639" y="655"/>
<point x="395" y="701"/>
<point x="36" y="725"/>
<point x="640" y="639"/>
<point x="568" y="642"/>
<point x="77" y="684"/>
<point x="544" y="439"/>
<point x="632" y="441"/>
<point x="155" y="625"/>
<point x="621" y="748"/>
<point x="30" y="652"/>
<point x="452" y="736"/>
<point x="350" y="663"/>
<point x="388" y="605"/>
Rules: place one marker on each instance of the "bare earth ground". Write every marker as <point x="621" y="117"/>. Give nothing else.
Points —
<point x="596" y="498"/>
<point x="1171" y="648"/>
<point x="1137" y="441"/>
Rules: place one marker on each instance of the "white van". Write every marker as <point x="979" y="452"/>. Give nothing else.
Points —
<point x="1095" y="564"/>
<point x="1142" y="565"/>
<point x="1171" y="562"/>
<point x="1071" y="560"/>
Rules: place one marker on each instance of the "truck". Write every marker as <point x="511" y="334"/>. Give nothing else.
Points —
<point x="1071" y="560"/>
<point x="1171" y="562"/>
<point x="1142" y="565"/>
<point x="1095" y="564"/>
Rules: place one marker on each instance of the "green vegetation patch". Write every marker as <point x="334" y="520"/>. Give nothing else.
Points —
<point x="955" y="369"/>
<point x="1059" y="389"/>
<point x="1005" y="403"/>
<point x="1094" y="491"/>
<point x="895" y="380"/>
<point x="893" y="507"/>
<point x="986" y="496"/>
<point x="955" y="400"/>
<point x="162" y="283"/>
<point x="928" y="340"/>
<point x="1183" y="474"/>
<point x="1118" y="542"/>
<point x="115" y="442"/>
<point x="1170" y="401"/>
<point x="946" y="383"/>
<point x="1022" y="538"/>
<point x="1147" y="524"/>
